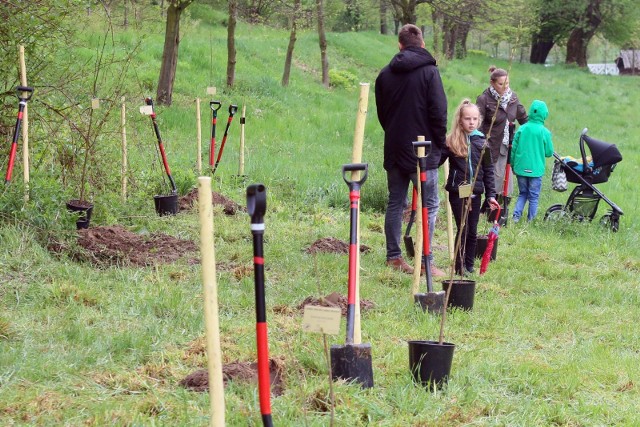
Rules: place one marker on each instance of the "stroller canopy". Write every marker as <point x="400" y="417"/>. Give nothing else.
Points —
<point x="602" y="152"/>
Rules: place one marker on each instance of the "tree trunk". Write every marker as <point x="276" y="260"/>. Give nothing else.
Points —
<point x="126" y="17"/>
<point x="540" y="50"/>
<point x="292" y="43"/>
<point x="436" y="18"/>
<point x="581" y="35"/>
<point x="448" y="37"/>
<point x="323" y="43"/>
<point x="231" y="43"/>
<point x="170" y="51"/>
<point x="383" y="17"/>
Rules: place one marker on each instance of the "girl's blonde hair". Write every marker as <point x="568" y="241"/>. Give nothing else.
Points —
<point x="457" y="139"/>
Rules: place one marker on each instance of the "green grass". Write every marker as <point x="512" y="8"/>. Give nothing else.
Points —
<point x="552" y="337"/>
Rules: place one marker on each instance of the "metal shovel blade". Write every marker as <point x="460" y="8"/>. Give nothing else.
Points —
<point x="431" y="301"/>
<point x="408" y="245"/>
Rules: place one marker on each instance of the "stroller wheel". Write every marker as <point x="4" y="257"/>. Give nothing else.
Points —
<point x="556" y="213"/>
<point x="610" y="221"/>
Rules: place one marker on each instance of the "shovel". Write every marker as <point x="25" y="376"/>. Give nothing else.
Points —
<point x="163" y="155"/>
<point x="215" y="106"/>
<point x="431" y="301"/>
<point x="408" y="240"/>
<point x="352" y="362"/>
<point x="232" y="112"/>
<point x="256" y="207"/>
<point x="20" y="91"/>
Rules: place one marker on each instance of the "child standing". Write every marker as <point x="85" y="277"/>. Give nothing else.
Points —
<point x="467" y="153"/>
<point x="531" y="145"/>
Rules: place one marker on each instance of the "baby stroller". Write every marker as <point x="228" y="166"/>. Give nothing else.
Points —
<point x="585" y="197"/>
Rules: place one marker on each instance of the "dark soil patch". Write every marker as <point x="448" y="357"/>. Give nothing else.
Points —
<point x="229" y="207"/>
<point x="332" y="245"/>
<point x="335" y="300"/>
<point x="115" y="245"/>
<point x="244" y="372"/>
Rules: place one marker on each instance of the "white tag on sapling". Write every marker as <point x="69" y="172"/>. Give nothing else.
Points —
<point x="320" y="319"/>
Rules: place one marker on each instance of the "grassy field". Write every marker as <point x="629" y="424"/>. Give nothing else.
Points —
<point x="552" y="337"/>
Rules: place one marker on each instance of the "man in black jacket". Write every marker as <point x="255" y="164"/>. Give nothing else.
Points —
<point x="410" y="101"/>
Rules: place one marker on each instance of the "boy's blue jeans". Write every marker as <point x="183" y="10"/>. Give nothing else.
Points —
<point x="398" y="185"/>
<point x="529" y="188"/>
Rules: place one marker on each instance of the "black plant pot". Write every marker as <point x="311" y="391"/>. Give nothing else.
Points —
<point x="462" y="293"/>
<point x="430" y="362"/>
<point x="166" y="205"/>
<point x="481" y="246"/>
<point x="83" y="210"/>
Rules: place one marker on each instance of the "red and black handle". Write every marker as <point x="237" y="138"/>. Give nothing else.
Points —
<point x="149" y="101"/>
<point x="20" y="90"/>
<point x="215" y="106"/>
<point x="354" y="198"/>
<point x="256" y="207"/>
<point x="426" y="249"/>
<point x="232" y="111"/>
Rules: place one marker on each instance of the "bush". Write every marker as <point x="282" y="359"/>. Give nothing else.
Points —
<point x="342" y="79"/>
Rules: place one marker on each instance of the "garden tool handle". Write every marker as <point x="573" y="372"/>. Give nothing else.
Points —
<point x="232" y="109"/>
<point x="256" y="202"/>
<point x="22" y="89"/>
<point x="215" y="106"/>
<point x="351" y="167"/>
<point x="425" y="144"/>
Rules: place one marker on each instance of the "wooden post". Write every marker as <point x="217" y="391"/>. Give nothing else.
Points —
<point x="123" y="171"/>
<point x="198" y="137"/>
<point x="417" y="246"/>
<point x="449" y="216"/>
<point x="212" y="327"/>
<point x="25" y="127"/>
<point x="358" y="139"/>
<point x="242" y="120"/>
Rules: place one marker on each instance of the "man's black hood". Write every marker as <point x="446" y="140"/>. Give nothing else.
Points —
<point x="411" y="58"/>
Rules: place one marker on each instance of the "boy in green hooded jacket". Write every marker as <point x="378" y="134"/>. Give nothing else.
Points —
<point x="531" y="145"/>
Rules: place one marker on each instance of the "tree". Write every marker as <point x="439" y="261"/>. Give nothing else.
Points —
<point x="231" y="42"/>
<point x="323" y="43"/>
<point x="292" y="42"/>
<point x="170" y="51"/>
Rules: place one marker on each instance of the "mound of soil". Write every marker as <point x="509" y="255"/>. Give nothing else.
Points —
<point x="229" y="207"/>
<point x="246" y="372"/>
<point x="116" y="245"/>
<point x="332" y="245"/>
<point x="335" y="300"/>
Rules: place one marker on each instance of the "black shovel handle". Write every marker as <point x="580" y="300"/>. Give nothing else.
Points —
<point x="233" y="109"/>
<point x="215" y="106"/>
<point x="353" y="167"/>
<point x="22" y="89"/>
<point x="257" y="202"/>
<point x="425" y="144"/>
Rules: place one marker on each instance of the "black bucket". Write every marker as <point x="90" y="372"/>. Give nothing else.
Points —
<point x="462" y="293"/>
<point x="166" y="205"/>
<point x="352" y="362"/>
<point x="430" y="362"/>
<point x="83" y="209"/>
<point x="481" y="246"/>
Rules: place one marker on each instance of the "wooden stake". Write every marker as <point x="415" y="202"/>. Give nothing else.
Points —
<point x="358" y="140"/>
<point x="449" y="216"/>
<point x="417" y="246"/>
<point x="25" y="127"/>
<point x="214" y="353"/>
<point x="242" y="120"/>
<point x="199" y="137"/>
<point x="123" y="171"/>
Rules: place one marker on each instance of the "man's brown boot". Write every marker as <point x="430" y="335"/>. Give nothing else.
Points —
<point x="400" y="264"/>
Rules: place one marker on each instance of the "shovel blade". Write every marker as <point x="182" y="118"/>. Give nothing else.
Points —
<point x="408" y="245"/>
<point x="352" y="362"/>
<point x="431" y="301"/>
